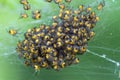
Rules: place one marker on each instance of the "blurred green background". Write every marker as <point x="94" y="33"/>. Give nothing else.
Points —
<point x="91" y="67"/>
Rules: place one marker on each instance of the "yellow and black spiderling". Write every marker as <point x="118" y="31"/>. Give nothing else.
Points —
<point x="61" y="6"/>
<point x="101" y="5"/>
<point x="25" y="3"/>
<point x="26" y="6"/>
<point x="56" y="46"/>
<point x="48" y="0"/>
<point x="81" y="8"/>
<point x="68" y="1"/>
<point x="13" y="32"/>
<point x="57" y="1"/>
<point x="36" y="14"/>
<point x="24" y="15"/>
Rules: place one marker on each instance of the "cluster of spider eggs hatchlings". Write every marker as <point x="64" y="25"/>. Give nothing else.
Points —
<point x="56" y="45"/>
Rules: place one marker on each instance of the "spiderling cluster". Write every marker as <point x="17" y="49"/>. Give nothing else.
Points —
<point x="56" y="45"/>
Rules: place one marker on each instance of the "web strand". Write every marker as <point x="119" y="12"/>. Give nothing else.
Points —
<point x="104" y="56"/>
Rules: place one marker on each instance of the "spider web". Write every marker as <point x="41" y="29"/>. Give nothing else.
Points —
<point x="100" y="59"/>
